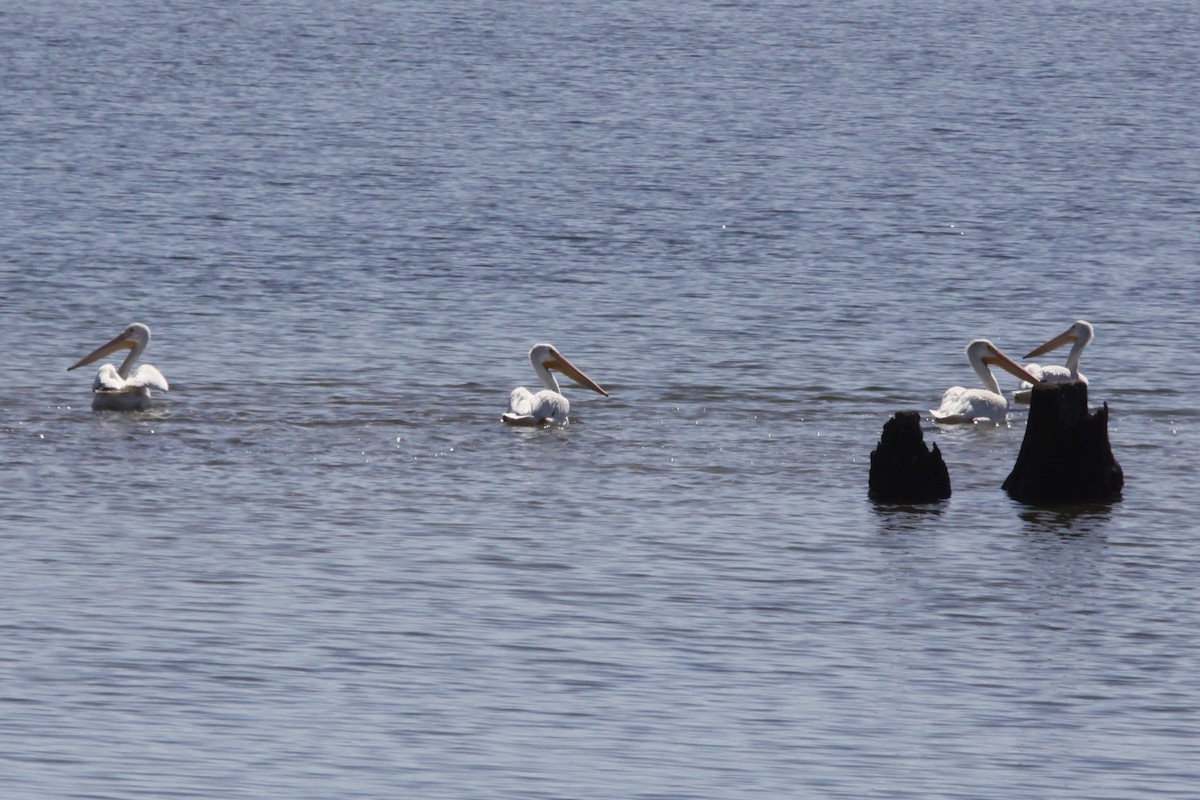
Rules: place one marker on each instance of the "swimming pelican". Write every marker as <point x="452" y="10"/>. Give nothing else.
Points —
<point x="547" y="407"/>
<point x="971" y="405"/>
<point x="114" y="389"/>
<point x="1078" y="335"/>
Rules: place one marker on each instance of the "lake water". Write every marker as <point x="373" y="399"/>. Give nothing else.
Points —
<point x="320" y="567"/>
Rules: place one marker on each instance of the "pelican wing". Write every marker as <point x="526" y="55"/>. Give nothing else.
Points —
<point x="148" y="375"/>
<point x="521" y="401"/>
<point x="961" y="405"/>
<point x="108" y="380"/>
<point x="1051" y="373"/>
<point x="527" y="408"/>
<point x="1025" y="390"/>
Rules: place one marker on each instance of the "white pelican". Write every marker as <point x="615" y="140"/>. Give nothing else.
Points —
<point x="971" y="405"/>
<point x="1078" y="335"/>
<point x="547" y="407"/>
<point x="114" y="389"/>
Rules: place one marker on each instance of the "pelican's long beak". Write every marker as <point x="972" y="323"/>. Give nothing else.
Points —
<point x="571" y="371"/>
<point x="1067" y="337"/>
<point x="996" y="358"/>
<point x="122" y="341"/>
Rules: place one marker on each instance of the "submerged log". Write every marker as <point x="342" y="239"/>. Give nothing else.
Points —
<point x="903" y="470"/>
<point x="1065" y="456"/>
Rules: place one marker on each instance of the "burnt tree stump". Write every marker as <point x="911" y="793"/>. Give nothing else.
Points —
<point x="903" y="470"/>
<point x="1065" y="456"/>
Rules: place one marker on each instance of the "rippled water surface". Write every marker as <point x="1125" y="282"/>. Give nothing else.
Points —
<point x="320" y="567"/>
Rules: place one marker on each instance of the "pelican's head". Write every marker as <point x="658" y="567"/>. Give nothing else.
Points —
<point x="135" y="337"/>
<point x="981" y="351"/>
<point x="547" y="356"/>
<point x="1081" y="332"/>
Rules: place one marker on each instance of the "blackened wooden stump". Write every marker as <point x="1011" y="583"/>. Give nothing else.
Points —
<point x="1065" y="456"/>
<point x="903" y="470"/>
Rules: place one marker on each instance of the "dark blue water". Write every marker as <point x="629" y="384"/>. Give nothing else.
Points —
<point x="320" y="567"/>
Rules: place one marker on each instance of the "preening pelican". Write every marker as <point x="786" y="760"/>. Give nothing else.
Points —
<point x="114" y="389"/>
<point x="1078" y="336"/>
<point x="547" y="407"/>
<point x="971" y="405"/>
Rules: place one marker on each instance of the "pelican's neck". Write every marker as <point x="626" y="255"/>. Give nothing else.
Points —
<point x="1074" y="354"/>
<point x="133" y="356"/>
<point x="548" y="379"/>
<point x="985" y="374"/>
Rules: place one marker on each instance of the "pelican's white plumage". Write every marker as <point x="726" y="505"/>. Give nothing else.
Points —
<point x="547" y="407"/>
<point x="1078" y="336"/>
<point x="114" y="389"/>
<point x="979" y="405"/>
